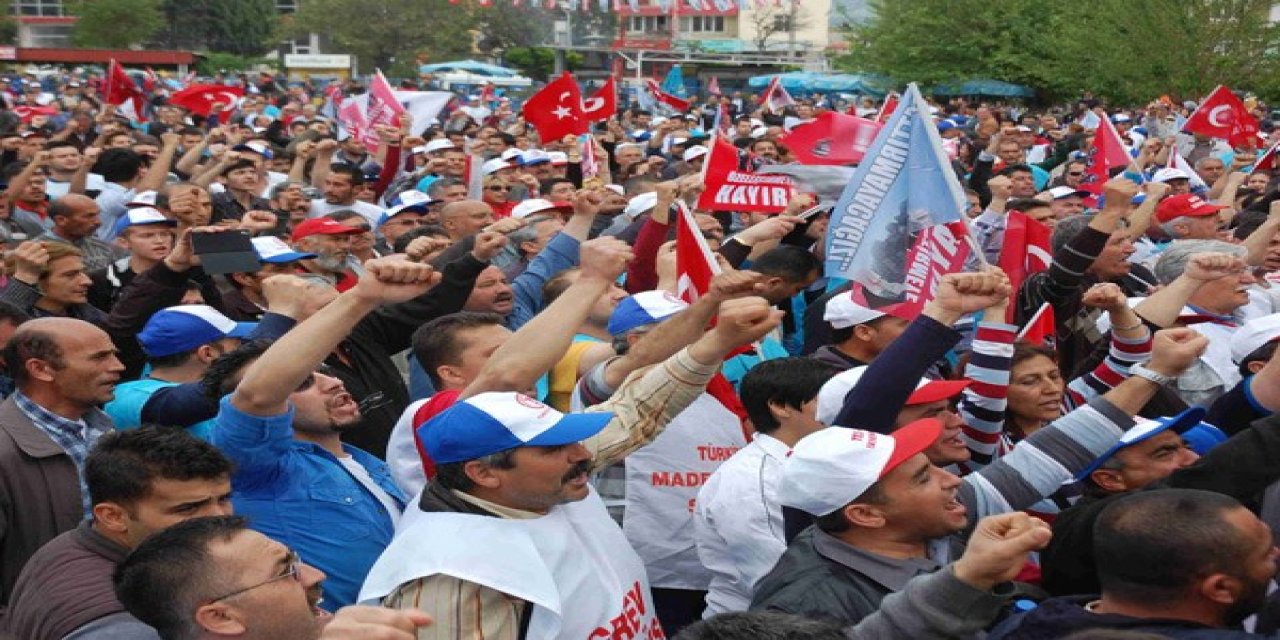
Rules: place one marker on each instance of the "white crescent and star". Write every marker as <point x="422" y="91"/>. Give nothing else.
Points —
<point x="1214" y="113"/>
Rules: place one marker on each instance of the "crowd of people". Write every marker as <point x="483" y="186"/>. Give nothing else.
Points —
<point x="455" y="391"/>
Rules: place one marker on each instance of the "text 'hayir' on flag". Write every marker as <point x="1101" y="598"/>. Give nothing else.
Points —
<point x="938" y="250"/>
<point x="728" y="188"/>
<point x="904" y="183"/>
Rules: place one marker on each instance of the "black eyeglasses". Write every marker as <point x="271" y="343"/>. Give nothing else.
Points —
<point x="292" y="570"/>
<point x="1075" y="174"/>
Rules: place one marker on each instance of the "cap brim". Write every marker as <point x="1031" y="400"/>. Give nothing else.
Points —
<point x="284" y="258"/>
<point x="913" y="438"/>
<point x="242" y="330"/>
<point x="1180" y="423"/>
<point x="937" y="390"/>
<point x="573" y="427"/>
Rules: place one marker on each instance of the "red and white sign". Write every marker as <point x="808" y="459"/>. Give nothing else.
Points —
<point x="675" y="102"/>
<point x="939" y="249"/>
<point x="1025" y="251"/>
<point x="383" y="109"/>
<point x="695" y="266"/>
<point x="775" y="97"/>
<point x="729" y="188"/>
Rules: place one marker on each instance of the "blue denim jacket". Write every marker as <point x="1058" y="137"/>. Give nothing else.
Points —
<point x="300" y="495"/>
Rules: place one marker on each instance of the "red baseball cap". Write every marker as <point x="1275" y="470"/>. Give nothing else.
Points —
<point x="1185" y="204"/>
<point x="322" y="226"/>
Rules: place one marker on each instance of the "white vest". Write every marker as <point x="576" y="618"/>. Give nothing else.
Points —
<point x="573" y="565"/>
<point x="663" y="479"/>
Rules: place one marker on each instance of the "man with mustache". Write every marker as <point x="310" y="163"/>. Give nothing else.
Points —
<point x="510" y="540"/>
<point x="330" y="242"/>
<point x="332" y="503"/>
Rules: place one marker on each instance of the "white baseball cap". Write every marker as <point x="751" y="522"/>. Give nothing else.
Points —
<point x="830" y="468"/>
<point x="644" y="308"/>
<point x="143" y="199"/>
<point x="842" y="312"/>
<point x="831" y="395"/>
<point x="439" y="144"/>
<point x="275" y="251"/>
<point x="533" y="206"/>
<point x="494" y="165"/>
<point x="1058" y="193"/>
<point x="512" y="154"/>
<point x="1253" y="335"/>
<point x="695" y="151"/>
<point x="558" y="157"/>
<point x="1169" y="173"/>
<point x="640" y="204"/>
<point x="494" y="422"/>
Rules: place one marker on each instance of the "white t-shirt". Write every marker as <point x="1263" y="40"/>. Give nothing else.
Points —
<point x="362" y="476"/>
<point x="56" y="189"/>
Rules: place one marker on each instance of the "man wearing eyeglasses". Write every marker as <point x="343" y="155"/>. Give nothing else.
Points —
<point x="215" y="577"/>
<point x="334" y="503"/>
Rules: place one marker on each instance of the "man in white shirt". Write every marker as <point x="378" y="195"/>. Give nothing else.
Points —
<point x="340" y="187"/>
<point x="738" y="521"/>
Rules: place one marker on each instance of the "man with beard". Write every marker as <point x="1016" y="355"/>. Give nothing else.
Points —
<point x="330" y="242"/>
<point x="334" y="504"/>
<point x="1177" y="563"/>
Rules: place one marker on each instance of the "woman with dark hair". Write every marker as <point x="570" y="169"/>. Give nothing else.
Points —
<point x="1018" y="389"/>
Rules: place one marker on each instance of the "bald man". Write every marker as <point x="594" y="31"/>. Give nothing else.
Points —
<point x="464" y="218"/>
<point x="63" y="369"/>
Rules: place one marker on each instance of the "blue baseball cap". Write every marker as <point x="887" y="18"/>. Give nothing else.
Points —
<point x="140" y="216"/>
<point x="411" y="200"/>
<point x="185" y="327"/>
<point x="1184" y="424"/>
<point x="946" y="125"/>
<point x="644" y="308"/>
<point x="494" y="422"/>
<point x="273" y="250"/>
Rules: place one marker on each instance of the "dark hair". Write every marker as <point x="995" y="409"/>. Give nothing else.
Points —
<point x="12" y="170"/>
<point x="170" y="574"/>
<point x="1016" y="168"/>
<point x="223" y="373"/>
<point x="545" y="186"/>
<point x="1261" y="354"/>
<point x="1248" y="222"/>
<point x="436" y="343"/>
<point x="191" y="131"/>
<point x="119" y="165"/>
<point x="171" y="360"/>
<point x="1023" y="350"/>
<point x="1025" y="204"/>
<point x="557" y="285"/>
<point x="420" y="231"/>
<point x="349" y="170"/>
<point x="453" y="475"/>
<point x="789" y="382"/>
<point x="835" y="522"/>
<point x="143" y="138"/>
<point x="58" y="144"/>
<point x="789" y="262"/>
<point x="31" y="344"/>
<point x="843" y="335"/>
<point x="237" y="165"/>
<point x="762" y="625"/>
<point x="9" y="312"/>
<point x="1066" y="229"/>
<point x="123" y="464"/>
<point x="1138" y="561"/>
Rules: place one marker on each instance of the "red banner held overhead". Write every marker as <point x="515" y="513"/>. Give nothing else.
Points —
<point x="939" y="249"/>
<point x="200" y="98"/>
<point x="1224" y="115"/>
<point x="729" y="188"/>
<point x="832" y="138"/>
<point x="556" y="110"/>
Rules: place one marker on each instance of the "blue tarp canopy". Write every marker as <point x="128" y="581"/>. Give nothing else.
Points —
<point x="982" y="87"/>
<point x="470" y="66"/>
<point x="810" y="82"/>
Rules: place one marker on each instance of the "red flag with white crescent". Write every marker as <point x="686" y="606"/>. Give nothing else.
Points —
<point x="1224" y="115"/>
<point x="200" y="98"/>
<point x="1025" y="251"/>
<point x="1041" y="329"/>
<point x="1109" y="153"/>
<point x="122" y="91"/>
<point x="602" y="104"/>
<point x="556" y="110"/>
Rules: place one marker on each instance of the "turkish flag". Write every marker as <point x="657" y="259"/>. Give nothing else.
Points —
<point x="1268" y="160"/>
<point x="200" y="98"/>
<point x="556" y="110"/>
<point x="1223" y="115"/>
<point x="1041" y="329"/>
<point x="1108" y="153"/>
<point x="890" y="105"/>
<point x="1025" y="251"/>
<point x="675" y="102"/>
<point x="121" y="89"/>
<point x="695" y="266"/>
<point x="832" y="138"/>
<point x="27" y="112"/>
<point x="603" y="104"/>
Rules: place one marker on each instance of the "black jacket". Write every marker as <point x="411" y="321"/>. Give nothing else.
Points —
<point x="807" y="583"/>
<point x="1061" y="617"/>
<point x="363" y="361"/>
